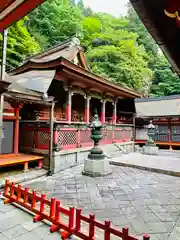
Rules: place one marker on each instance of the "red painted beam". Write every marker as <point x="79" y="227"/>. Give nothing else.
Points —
<point x="19" y="12"/>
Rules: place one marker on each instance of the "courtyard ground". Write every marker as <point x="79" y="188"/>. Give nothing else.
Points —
<point x="144" y="201"/>
<point x="16" y="224"/>
<point x="166" y="162"/>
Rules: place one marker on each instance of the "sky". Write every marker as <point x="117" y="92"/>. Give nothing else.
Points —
<point x="114" y="7"/>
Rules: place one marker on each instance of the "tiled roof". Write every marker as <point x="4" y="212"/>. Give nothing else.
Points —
<point x="158" y="107"/>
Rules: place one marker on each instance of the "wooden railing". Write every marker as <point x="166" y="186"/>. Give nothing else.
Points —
<point x="52" y="211"/>
<point x="69" y="137"/>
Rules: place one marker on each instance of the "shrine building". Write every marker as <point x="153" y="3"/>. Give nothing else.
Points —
<point x="165" y="113"/>
<point x="61" y="96"/>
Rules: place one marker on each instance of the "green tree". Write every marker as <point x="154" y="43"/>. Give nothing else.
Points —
<point x="91" y="26"/>
<point x="86" y="11"/>
<point x="165" y="82"/>
<point x="144" y="38"/>
<point x="55" y="21"/>
<point x="113" y="52"/>
<point x="20" y="45"/>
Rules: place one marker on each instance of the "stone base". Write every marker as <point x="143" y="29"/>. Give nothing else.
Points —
<point x="150" y="150"/>
<point x="96" y="168"/>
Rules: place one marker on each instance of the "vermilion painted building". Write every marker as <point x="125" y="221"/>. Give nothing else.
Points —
<point x="165" y="112"/>
<point x="10" y="12"/>
<point x="61" y="73"/>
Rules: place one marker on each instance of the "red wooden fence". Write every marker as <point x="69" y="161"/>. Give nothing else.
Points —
<point x="68" y="138"/>
<point x="52" y="209"/>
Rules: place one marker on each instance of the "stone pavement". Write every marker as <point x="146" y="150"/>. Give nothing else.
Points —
<point x="167" y="162"/>
<point x="145" y="201"/>
<point x="22" y="177"/>
<point x="16" y="224"/>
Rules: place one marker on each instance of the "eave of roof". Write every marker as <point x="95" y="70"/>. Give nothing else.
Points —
<point x="62" y="62"/>
<point x="163" y="29"/>
<point x="61" y="56"/>
<point x="97" y="78"/>
<point x="158" y="107"/>
<point x="32" y="82"/>
<point x="27" y="98"/>
<point x="14" y="10"/>
<point x="157" y="98"/>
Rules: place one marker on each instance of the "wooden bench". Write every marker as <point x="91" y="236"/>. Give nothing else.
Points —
<point x="14" y="159"/>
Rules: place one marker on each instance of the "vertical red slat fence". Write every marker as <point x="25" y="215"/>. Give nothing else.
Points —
<point x="51" y="210"/>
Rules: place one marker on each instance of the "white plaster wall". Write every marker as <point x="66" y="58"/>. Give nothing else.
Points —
<point x="141" y="134"/>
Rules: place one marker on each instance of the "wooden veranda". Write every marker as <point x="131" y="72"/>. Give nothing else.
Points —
<point x="7" y="160"/>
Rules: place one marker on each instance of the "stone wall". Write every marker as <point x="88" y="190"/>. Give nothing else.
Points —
<point x="69" y="158"/>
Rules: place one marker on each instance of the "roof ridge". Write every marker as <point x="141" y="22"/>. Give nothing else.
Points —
<point x="68" y="40"/>
<point x="162" y="98"/>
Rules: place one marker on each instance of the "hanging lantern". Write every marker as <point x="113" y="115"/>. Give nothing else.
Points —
<point x="173" y="10"/>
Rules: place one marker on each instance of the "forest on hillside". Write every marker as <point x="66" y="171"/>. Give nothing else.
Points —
<point x="119" y="49"/>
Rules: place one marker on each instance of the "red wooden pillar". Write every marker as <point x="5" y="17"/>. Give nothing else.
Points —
<point x="16" y="129"/>
<point x="103" y="111"/>
<point x="169" y="134"/>
<point x="87" y="109"/>
<point x="56" y="131"/>
<point x="114" y="118"/>
<point x="69" y="107"/>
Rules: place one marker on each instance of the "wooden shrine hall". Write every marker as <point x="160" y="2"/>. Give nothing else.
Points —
<point x="165" y="113"/>
<point x="10" y="12"/>
<point x="15" y="97"/>
<point x="61" y="74"/>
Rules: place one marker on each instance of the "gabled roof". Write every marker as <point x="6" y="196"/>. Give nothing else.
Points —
<point x="158" y="107"/>
<point x="13" y="10"/>
<point x="69" y="50"/>
<point x="62" y="65"/>
<point x="163" y="29"/>
<point x="61" y="57"/>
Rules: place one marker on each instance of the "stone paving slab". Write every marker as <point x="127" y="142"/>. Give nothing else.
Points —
<point x="16" y="224"/>
<point x="162" y="164"/>
<point x="146" y="202"/>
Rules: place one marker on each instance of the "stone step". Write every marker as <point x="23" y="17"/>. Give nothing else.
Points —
<point x="23" y="177"/>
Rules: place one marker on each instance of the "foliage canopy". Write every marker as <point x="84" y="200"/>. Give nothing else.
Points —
<point x="20" y="44"/>
<point x="118" y="48"/>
